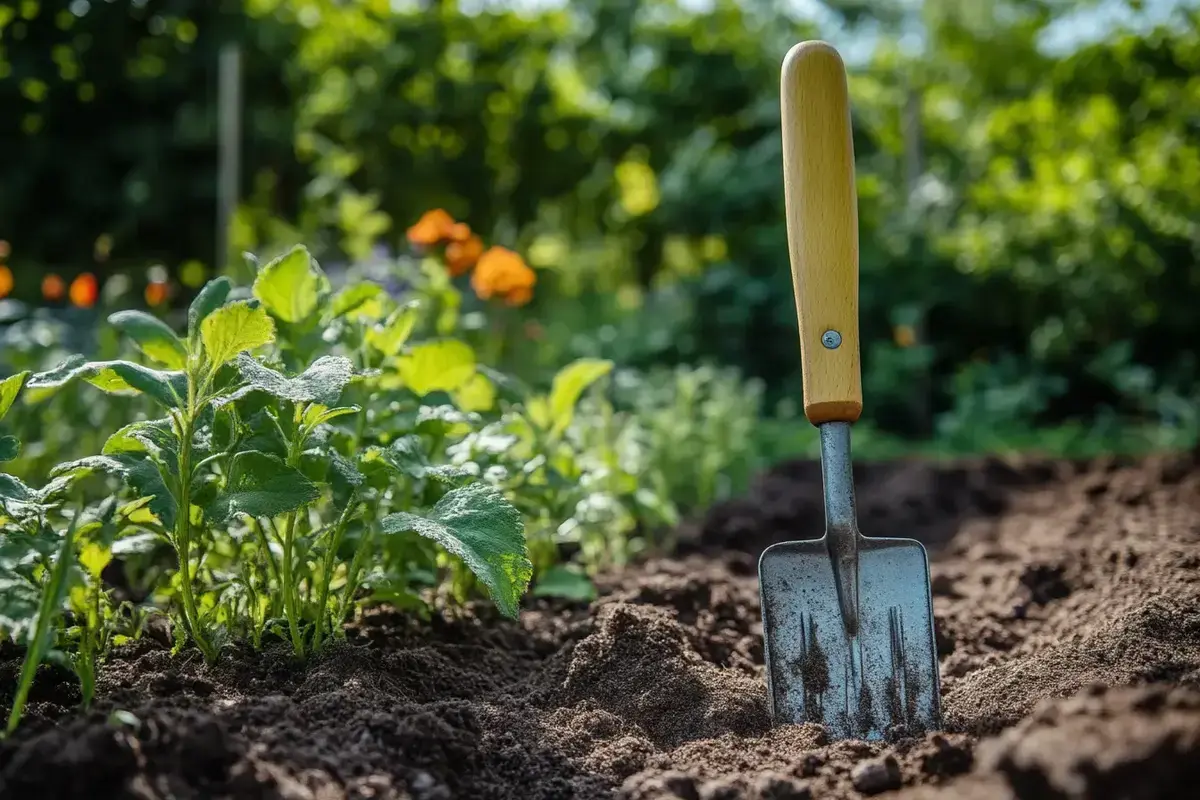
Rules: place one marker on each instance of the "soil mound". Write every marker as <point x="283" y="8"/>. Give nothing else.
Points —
<point x="1067" y="603"/>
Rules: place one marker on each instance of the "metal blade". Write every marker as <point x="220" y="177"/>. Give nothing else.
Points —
<point x="879" y="682"/>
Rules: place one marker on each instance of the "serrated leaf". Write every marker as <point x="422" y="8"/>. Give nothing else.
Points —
<point x="155" y="438"/>
<point x="477" y="524"/>
<point x="291" y="286"/>
<point x="152" y="336"/>
<point x="562" y="581"/>
<point x="138" y="472"/>
<point x="169" y="389"/>
<point x="10" y="448"/>
<point x="209" y="299"/>
<point x="569" y="385"/>
<point x="261" y="485"/>
<point x="437" y="366"/>
<point x="234" y="329"/>
<point x="361" y="299"/>
<point x="390" y="336"/>
<point x="407" y="456"/>
<point x="321" y="383"/>
<point x="10" y="388"/>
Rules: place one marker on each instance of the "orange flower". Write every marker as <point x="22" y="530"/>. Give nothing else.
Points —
<point x="156" y="293"/>
<point x="85" y="290"/>
<point x="53" y="287"/>
<point x="6" y="281"/>
<point x="461" y="256"/>
<point x="433" y="227"/>
<point x="904" y="336"/>
<point x="459" y="232"/>
<point x="503" y="274"/>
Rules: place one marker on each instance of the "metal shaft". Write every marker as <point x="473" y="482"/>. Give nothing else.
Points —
<point x="841" y="521"/>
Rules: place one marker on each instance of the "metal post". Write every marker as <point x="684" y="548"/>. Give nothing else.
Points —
<point x="229" y="145"/>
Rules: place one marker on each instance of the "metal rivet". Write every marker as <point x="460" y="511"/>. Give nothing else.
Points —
<point x="831" y="339"/>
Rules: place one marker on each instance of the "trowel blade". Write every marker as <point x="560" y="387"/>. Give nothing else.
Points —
<point x="880" y="683"/>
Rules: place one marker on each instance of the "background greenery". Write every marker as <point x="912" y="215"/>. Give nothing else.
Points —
<point x="1030" y="215"/>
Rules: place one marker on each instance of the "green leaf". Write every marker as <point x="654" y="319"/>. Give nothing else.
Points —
<point x="94" y="557"/>
<point x="477" y="524"/>
<point x="317" y="414"/>
<point x="261" y="485"/>
<point x="390" y="337"/>
<point x="138" y="472"/>
<point x="156" y="439"/>
<point x="407" y="456"/>
<point x="152" y="336"/>
<point x="234" y="329"/>
<point x="115" y="377"/>
<point x="291" y="286"/>
<point x="10" y="388"/>
<point x="10" y="448"/>
<point x="437" y="366"/>
<point x="361" y="299"/>
<point x="477" y="394"/>
<point x="321" y="383"/>
<point x="209" y="299"/>
<point x="19" y="601"/>
<point x="569" y="385"/>
<point x="565" y="582"/>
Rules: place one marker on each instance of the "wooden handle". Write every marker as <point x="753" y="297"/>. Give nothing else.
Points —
<point x="822" y="224"/>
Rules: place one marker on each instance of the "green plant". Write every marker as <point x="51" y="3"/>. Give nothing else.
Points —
<point x="296" y="456"/>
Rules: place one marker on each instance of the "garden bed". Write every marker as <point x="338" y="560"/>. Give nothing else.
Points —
<point x="1056" y="586"/>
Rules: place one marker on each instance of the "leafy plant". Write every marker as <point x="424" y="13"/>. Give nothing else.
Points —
<point x="296" y="455"/>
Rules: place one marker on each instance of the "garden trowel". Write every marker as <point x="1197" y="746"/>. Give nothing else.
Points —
<point x="847" y="619"/>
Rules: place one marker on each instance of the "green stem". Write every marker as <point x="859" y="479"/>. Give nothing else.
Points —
<point x="351" y="587"/>
<point x="289" y="591"/>
<point x="327" y="572"/>
<point x="183" y="527"/>
<point x="47" y="613"/>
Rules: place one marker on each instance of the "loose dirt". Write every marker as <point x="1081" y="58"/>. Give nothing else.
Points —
<point x="1067" y="602"/>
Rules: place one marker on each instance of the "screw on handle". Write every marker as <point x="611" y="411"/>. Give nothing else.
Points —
<point x="822" y="222"/>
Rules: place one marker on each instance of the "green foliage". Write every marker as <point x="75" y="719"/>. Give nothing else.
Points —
<point x="1015" y="202"/>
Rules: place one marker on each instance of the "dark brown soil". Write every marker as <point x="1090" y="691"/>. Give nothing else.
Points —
<point x="1067" y="600"/>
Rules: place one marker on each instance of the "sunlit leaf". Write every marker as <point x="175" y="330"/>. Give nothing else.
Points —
<point x="292" y="285"/>
<point x="10" y="388"/>
<point x="477" y="394"/>
<point x="360" y="300"/>
<point x="152" y="336"/>
<point x="234" y="329"/>
<point x="437" y="366"/>
<point x="569" y="385"/>
<point x="390" y="336"/>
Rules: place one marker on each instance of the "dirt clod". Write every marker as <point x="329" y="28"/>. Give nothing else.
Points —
<point x="877" y="775"/>
<point x="1067" y="608"/>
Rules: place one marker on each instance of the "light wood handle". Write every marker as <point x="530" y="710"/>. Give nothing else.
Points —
<point x="822" y="225"/>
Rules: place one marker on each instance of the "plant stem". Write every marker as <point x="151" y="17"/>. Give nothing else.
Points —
<point x="327" y="568"/>
<point x="47" y="611"/>
<point x="183" y="527"/>
<point x="289" y="591"/>
<point x="351" y="586"/>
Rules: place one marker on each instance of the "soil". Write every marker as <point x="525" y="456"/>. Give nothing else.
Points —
<point x="1067" y="604"/>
